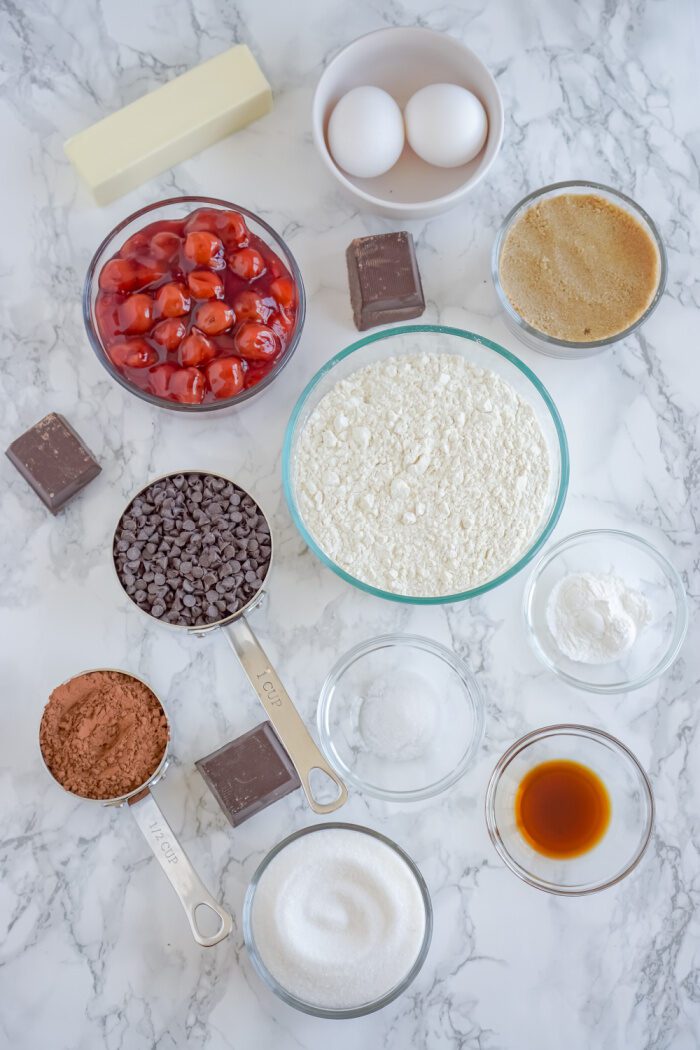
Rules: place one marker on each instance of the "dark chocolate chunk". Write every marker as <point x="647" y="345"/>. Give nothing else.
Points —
<point x="248" y="774"/>
<point x="384" y="280"/>
<point x="52" y="457"/>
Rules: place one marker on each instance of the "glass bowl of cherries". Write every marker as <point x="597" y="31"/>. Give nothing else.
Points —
<point x="193" y="304"/>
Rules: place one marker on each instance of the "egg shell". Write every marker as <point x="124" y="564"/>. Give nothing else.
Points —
<point x="446" y="125"/>
<point x="366" y="132"/>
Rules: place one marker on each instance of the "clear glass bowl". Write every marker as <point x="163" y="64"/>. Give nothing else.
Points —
<point x="643" y="568"/>
<point x="631" y="817"/>
<point x="273" y="983"/>
<point x="537" y="340"/>
<point x="412" y="339"/>
<point x="178" y="208"/>
<point x="416" y="701"/>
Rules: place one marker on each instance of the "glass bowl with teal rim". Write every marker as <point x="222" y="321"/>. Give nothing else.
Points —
<point x="478" y="351"/>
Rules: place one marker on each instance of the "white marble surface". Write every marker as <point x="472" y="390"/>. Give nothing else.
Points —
<point x="94" y="950"/>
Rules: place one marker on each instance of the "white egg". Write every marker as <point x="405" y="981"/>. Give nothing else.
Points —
<point x="445" y="125"/>
<point x="365" y="132"/>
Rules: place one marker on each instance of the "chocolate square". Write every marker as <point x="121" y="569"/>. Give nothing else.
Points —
<point x="249" y="773"/>
<point x="385" y="284"/>
<point x="53" y="458"/>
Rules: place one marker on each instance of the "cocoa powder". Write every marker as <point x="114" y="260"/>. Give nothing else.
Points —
<point x="103" y="734"/>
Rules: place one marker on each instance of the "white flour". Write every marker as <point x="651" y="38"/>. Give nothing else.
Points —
<point x="595" y="619"/>
<point x="422" y="474"/>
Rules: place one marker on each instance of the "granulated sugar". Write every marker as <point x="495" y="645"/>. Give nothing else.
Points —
<point x="338" y="918"/>
<point x="423" y="474"/>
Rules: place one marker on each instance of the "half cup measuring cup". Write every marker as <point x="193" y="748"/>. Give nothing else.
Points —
<point x="279" y="706"/>
<point x="193" y="894"/>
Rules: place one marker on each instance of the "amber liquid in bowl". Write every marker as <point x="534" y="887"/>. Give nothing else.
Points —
<point x="562" y="808"/>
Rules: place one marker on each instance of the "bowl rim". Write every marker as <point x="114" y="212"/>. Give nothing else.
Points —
<point x="177" y="406"/>
<point x="547" y="344"/>
<point x="389" y="333"/>
<point x="273" y="983"/>
<point x="523" y="742"/>
<point x="399" y="208"/>
<point x="473" y="696"/>
<point x="675" y="583"/>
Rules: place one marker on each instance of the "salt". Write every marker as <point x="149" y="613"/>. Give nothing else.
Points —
<point x="398" y="716"/>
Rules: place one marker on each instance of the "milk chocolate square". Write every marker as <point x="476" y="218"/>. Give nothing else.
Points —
<point x="249" y="773"/>
<point x="53" y="458"/>
<point x="385" y="284"/>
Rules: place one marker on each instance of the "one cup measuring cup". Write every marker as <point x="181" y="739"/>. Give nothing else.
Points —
<point x="69" y="719"/>
<point x="194" y="550"/>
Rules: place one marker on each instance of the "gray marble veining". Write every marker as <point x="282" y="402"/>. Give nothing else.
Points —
<point x="93" y="949"/>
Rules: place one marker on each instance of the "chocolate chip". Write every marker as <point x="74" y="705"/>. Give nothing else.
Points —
<point x="192" y="549"/>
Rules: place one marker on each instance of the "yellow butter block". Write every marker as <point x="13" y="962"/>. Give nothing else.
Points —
<point x="170" y="124"/>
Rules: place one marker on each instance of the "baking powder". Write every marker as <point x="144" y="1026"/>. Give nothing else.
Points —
<point x="595" y="619"/>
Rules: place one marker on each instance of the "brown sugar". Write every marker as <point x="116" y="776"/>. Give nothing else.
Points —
<point x="103" y="734"/>
<point x="579" y="268"/>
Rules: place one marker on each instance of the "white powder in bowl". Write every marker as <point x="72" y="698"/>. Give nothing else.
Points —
<point x="398" y="716"/>
<point x="338" y="918"/>
<point x="422" y="474"/>
<point x="595" y="619"/>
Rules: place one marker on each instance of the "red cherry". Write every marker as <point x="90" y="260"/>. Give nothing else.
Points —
<point x="135" y="314"/>
<point x="169" y="333"/>
<point x="188" y="385"/>
<point x="165" y="245"/>
<point x="214" y="317"/>
<point x="133" y="353"/>
<point x="137" y="244"/>
<point x="256" y="371"/>
<point x="249" y="306"/>
<point x="107" y="315"/>
<point x="128" y="275"/>
<point x="282" y="324"/>
<point x="225" y="376"/>
<point x="284" y="292"/>
<point x="159" y="378"/>
<point x="247" y="263"/>
<point x="196" y="349"/>
<point x="205" y="285"/>
<point x="256" y="342"/>
<point x="228" y="225"/>
<point x="204" y="249"/>
<point x="173" y="300"/>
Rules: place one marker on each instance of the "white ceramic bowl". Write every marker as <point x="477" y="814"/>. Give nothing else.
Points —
<point x="402" y="60"/>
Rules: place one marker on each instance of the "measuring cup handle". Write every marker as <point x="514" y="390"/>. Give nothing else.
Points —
<point x="175" y="863"/>
<point x="285" y="718"/>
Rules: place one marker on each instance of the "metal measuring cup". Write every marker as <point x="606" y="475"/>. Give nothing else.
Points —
<point x="279" y="706"/>
<point x="161" y="838"/>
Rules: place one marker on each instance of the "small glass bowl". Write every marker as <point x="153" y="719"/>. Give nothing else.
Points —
<point x="631" y="816"/>
<point x="424" y="756"/>
<point x="178" y="208"/>
<point x="643" y="568"/>
<point x="273" y="983"/>
<point x="532" y="337"/>
<point x="427" y="338"/>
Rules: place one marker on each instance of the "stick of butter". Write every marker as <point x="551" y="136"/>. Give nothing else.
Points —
<point x="170" y="124"/>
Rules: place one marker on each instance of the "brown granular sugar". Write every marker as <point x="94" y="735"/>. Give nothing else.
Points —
<point x="578" y="267"/>
<point x="103" y="734"/>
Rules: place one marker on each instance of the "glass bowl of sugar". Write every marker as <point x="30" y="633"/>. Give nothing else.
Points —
<point x="337" y="920"/>
<point x="605" y="611"/>
<point x="400" y="717"/>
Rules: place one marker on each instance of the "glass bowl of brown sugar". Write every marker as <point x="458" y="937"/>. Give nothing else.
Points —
<point x="577" y="267"/>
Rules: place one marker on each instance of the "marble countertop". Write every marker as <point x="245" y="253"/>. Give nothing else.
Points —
<point x="94" y="949"/>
